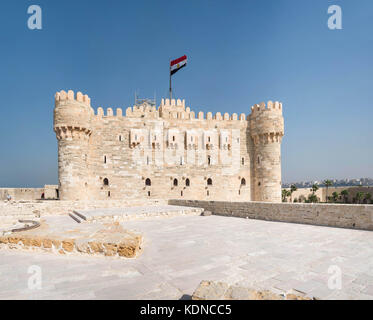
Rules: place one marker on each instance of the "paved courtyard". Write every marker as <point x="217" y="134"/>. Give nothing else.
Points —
<point x="181" y="251"/>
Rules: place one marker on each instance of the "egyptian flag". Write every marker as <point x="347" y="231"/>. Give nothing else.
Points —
<point x="177" y="64"/>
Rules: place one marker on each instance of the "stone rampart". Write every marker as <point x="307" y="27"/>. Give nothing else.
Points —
<point x="331" y="215"/>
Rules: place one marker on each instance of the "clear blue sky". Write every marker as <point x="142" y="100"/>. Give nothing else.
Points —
<point x="240" y="53"/>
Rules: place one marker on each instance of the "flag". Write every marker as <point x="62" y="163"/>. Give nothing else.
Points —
<point x="177" y="64"/>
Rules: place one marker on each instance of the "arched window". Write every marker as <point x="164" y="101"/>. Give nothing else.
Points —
<point x="106" y="182"/>
<point x="104" y="159"/>
<point x="243" y="182"/>
<point x="243" y="161"/>
<point x="187" y="182"/>
<point x="209" y="182"/>
<point x="258" y="160"/>
<point x="175" y="182"/>
<point x="148" y="182"/>
<point x="209" y="160"/>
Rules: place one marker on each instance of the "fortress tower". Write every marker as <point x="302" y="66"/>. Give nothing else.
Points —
<point x="267" y="130"/>
<point x="72" y="125"/>
<point x="169" y="152"/>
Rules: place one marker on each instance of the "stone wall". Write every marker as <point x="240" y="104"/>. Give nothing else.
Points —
<point x="49" y="192"/>
<point x="21" y="193"/>
<point x="332" y="215"/>
<point x="36" y="209"/>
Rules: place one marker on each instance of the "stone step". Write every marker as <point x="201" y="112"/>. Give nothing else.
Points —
<point x="80" y="215"/>
<point x="75" y="217"/>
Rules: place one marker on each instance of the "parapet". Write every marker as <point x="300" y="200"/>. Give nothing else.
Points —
<point x="72" y="112"/>
<point x="266" y="122"/>
<point x="173" y="103"/>
<point x="275" y="107"/>
<point x="70" y="96"/>
<point x="142" y="111"/>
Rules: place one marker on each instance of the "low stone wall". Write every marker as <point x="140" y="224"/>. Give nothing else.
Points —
<point x="48" y="192"/>
<point x="21" y="193"/>
<point x="332" y="215"/>
<point x="36" y="209"/>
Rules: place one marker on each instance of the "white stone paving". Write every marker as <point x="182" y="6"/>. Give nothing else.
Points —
<point x="181" y="251"/>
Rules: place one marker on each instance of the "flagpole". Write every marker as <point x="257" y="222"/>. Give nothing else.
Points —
<point x="170" y="84"/>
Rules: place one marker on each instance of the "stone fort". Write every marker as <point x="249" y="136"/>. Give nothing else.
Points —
<point x="169" y="152"/>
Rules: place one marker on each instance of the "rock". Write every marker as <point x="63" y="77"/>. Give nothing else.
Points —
<point x="56" y="243"/>
<point x="210" y="290"/>
<point x="83" y="247"/>
<point x="96" y="247"/>
<point x="26" y="242"/>
<point x="4" y="240"/>
<point x="36" y="242"/>
<point x="110" y="249"/>
<point x="68" y="245"/>
<point x="206" y="213"/>
<point x="47" y="243"/>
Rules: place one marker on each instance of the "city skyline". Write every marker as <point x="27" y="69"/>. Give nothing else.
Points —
<point x="238" y="55"/>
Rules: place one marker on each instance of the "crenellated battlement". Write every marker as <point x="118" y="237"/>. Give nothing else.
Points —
<point x="71" y="96"/>
<point x="173" y="103"/>
<point x="257" y="109"/>
<point x="142" y="111"/>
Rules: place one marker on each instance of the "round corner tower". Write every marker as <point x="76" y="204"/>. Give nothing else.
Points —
<point x="267" y="130"/>
<point x="72" y="125"/>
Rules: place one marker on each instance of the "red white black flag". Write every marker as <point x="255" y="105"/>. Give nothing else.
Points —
<point x="177" y="64"/>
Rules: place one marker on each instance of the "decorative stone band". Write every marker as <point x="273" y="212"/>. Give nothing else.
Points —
<point x="69" y="132"/>
<point x="273" y="137"/>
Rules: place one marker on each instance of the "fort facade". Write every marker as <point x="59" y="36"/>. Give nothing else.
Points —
<point x="169" y="152"/>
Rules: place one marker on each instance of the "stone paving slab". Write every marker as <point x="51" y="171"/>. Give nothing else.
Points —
<point x="180" y="252"/>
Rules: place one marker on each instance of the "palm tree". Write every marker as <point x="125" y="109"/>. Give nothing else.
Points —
<point x="293" y="188"/>
<point x="368" y="197"/>
<point x="314" y="188"/>
<point x="359" y="196"/>
<point x="312" y="198"/>
<point x="327" y="183"/>
<point x="344" y="193"/>
<point x="335" y="196"/>
<point x="284" y="195"/>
